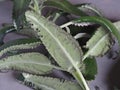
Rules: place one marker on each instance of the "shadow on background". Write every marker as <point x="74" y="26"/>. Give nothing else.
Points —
<point x="114" y="76"/>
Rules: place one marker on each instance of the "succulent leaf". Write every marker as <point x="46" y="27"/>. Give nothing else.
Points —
<point x="99" y="44"/>
<point x="48" y="83"/>
<point x="61" y="45"/>
<point x="26" y="43"/>
<point x="34" y="63"/>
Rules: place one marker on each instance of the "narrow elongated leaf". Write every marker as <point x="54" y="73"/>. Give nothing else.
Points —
<point x="65" y="5"/>
<point x="34" y="63"/>
<point x="62" y="46"/>
<point x="99" y="44"/>
<point x="102" y="21"/>
<point x="19" y="44"/>
<point x="47" y="83"/>
<point x="19" y="8"/>
<point x="86" y="7"/>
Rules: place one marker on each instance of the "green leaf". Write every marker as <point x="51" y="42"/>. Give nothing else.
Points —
<point x="34" y="63"/>
<point x="25" y="43"/>
<point x="90" y="69"/>
<point x="61" y="45"/>
<point x="66" y="6"/>
<point x="99" y="44"/>
<point x="19" y="8"/>
<point x="47" y="83"/>
<point x="96" y="45"/>
<point x="117" y="25"/>
<point x="102" y="21"/>
<point x="88" y="8"/>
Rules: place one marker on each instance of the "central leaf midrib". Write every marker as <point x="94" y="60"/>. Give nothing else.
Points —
<point x="64" y="50"/>
<point x="24" y="62"/>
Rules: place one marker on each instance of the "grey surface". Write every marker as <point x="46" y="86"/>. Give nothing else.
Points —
<point x="5" y="12"/>
<point x="109" y="8"/>
<point x="8" y="82"/>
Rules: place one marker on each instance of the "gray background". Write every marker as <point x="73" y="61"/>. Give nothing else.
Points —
<point x="109" y="8"/>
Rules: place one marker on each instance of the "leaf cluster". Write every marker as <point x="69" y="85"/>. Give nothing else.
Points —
<point x="71" y="46"/>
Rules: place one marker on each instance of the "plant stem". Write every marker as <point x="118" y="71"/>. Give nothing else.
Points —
<point x="57" y="15"/>
<point x="104" y="22"/>
<point x="79" y="77"/>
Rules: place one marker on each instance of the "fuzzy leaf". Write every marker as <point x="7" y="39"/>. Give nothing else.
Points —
<point x="19" y="44"/>
<point x="61" y="45"/>
<point x="117" y="25"/>
<point x="99" y="44"/>
<point x="106" y="43"/>
<point x="47" y="83"/>
<point x="107" y="24"/>
<point x="19" y="8"/>
<point x="34" y="63"/>
<point x="65" y="6"/>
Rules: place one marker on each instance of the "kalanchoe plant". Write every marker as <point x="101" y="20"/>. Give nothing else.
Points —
<point x="65" y="52"/>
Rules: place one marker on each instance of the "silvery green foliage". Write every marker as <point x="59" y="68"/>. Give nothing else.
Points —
<point x="48" y="83"/>
<point x="19" y="44"/>
<point x="34" y="63"/>
<point x="99" y="44"/>
<point x="117" y="25"/>
<point x="61" y="45"/>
